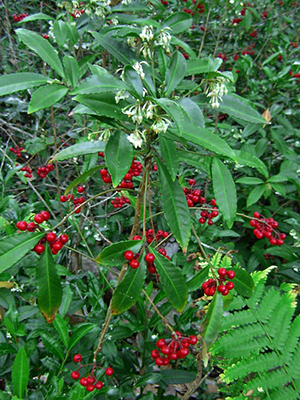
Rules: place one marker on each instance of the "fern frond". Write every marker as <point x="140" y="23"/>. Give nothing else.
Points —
<point x="295" y="365"/>
<point x="237" y="303"/>
<point x="268" y="303"/>
<point x="292" y="340"/>
<point x="268" y="381"/>
<point x="215" y="261"/>
<point x="261" y="363"/>
<point x="259" y="278"/>
<point x="226" y="262"/>
<point x="287" y="393"/>
<point x="238" y="318"/>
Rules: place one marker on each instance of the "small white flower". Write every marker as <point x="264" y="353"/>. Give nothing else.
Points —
<point x="147" y="33"/>
<point x="120" y="95"/>
<point x="139" y="69"/>
<point x="161" y="125"/>
<point x="136" y="139"/>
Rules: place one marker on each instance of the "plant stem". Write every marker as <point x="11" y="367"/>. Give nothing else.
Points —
<point x="158" y="312"/>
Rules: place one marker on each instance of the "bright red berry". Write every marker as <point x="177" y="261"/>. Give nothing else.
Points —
<point x="90" y="388"/>
<point x="22" y="225"/>
<point x="193" y="339"/>
<point x="160" y="343"/>
<point x="83" y="382"/>
<point x="109" y="371"/>
<point x="90" y="380"/>
<point x="159" y="361"/>
<point x="57" y="246"/>
<point x="128" y="255"/>
<point x="99" y="385"/>
<point x="45" y="215"/>
<point x="50" y="237"/>
<point x="154" y="353"/>
<point x="80" y="189"/>
<point x="149" y="258"/>
<point x="229" y="285"/>
<point x="183" y="352"/>
<point x="77" y="358"/>
<point x="38" y="218"/>
<point x="39" y="249"/>
<point x="221" y="288"/>
<point x="230" y="274"/>
<point x="75" y="375"/>
<point x="165" y="350"/>
<point x="222" y="271"/>
<point x="64" y="238"/>
<point x="31" y="227"/>
<point x="134" y="264"/>
<point x="256" y="214"/>
<point x="63" y="199"/>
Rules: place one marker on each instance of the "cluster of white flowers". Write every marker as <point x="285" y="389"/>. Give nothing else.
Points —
<point x="164" y="39"/>
<point x="216" y="90"/>
<point x="160" y="125"/>
<point x="139" y="69"/>
<point x="137" y="138"/>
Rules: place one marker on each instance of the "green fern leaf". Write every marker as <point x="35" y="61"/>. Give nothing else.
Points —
<point x="292" y="340"/>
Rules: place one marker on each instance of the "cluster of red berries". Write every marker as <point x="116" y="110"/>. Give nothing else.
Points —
<point x="149" y="258"/>
<point x="56" y="243"/>
<point x="269" y="256"/>
<point x="159" y="235"/>
<point x="222" y="117"/>
<point x="210" y="286"/>
<point x="44" y="170"/>
<point x="248" y="50"/>
<point x="264" y="15"/>
<point x="119" y="202"/>
<point x="174" y="349"/>
<point x="89" y="382"/>
<point x="20" y="17"/>
<point x="17" y="150"/>
<point x="236" y="57"/>
<point x="222" y="56"/>
<point x="253" y="33"/>
<point x="280" y="58"/>
<point x="243" y="11"/>
<point x="266" y="227"/>
<point x="236" y="21"/>
<point x="164" y="2"/>
<point x="75" y="200"/>
<point x="28" y="170"/>
<point x="132" y="258"/>
<point x="295" y="45"/>
<point x="126" y="183"/>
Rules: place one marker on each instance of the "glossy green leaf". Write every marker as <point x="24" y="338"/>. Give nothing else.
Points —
<point x="244" y="158"/>
<point x="249" y="180"/>
<point x="193" y="111"/>
<point x="12" y="83"/>
<point x="211" y="325"/>
<point x="208" y="140"/>
<point x="129" y="289"/>
<point x="42" y="48"/>
<point x="71" y="70"/>
<point x="202" y="65"/>
<point x="36" y="17"/>
<point x="175" y="111"/>
<point x="52" y="345"/>
<point x="46" y="96"/>
<point x="103" y="104"/>
<point x="119" y="50"/>
<point x="79" y="333"/>
<point x="14" y="247"/>
<point x="79" y="149"/>
<point x="60" y="31"/>
<point x="134" y="82"/>
<point x="118" y="156"/>
<point x="163" y="61"/>
<point x="255" y="195"/>
<point x="113" y="255"/>
<point x="224" y="191"/>
<point x="49" y="290"/>
<point x="236" y="106"/>
<point x="272" y="57"/>
<point x="101" y="82"/>
<point x="175" y="207"/>
<point x="243" y="282"/>
<point x="175" y="72"/>
<point x="248" y="20"/>
<point x="178" y="22"/>
<point x="7" y="348"/>
<point x="20" y="373"/>
<point x="169" y="154"/>
<point x="172" y="281"/>
<point x="177" y="376"/>
<point x="82" y="178"/>
<point x="196" y="282"/>
<point x="61" y="326"/>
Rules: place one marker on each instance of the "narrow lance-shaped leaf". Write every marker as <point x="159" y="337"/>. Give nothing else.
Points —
<point x="79" y="333"/>
<point x="61" y="326"/>
<point x="175" y="73"/>
<point x="196" y="282"/>
<point x="46" y="96"/>
<point x="103" y="104"/>
<point x="42" y="48"/>
<point x="12" y="83"/>
<point x="101" y="82"/>
<point x="212" y="322"/>
<point x="237" y="107"/>
<point x="71" y="70"/>
<point x="175" y="207"/>
<point x="20" y="373"/>
<point x="113" y="255"/>
<point x="79" y="149"/>
<point x="14" y="247"/>
<point x="82" y="178"/>
<point x="243" y="282"/>
<point x="169" y="154"/>
<point x="49" y="290"/>
<point x="129" y="289"/>
<point x="118" y="156"/>
<point x="224" y="191"/>
<point x="172" y="281"/>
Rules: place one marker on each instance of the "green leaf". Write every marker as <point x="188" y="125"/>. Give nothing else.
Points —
<point x="81" y="178"/>
<point x="61" y="327"/>
<point x="255" y="195"/>
<point x="113" y="255"/>
<point x="175" y="207"/>
<point x="208" y="140"/>
<point x="132" y="78"/>
<point x="14" y="247"/>
<point x="60" y="31"/>
<point x="248" y="180"/>
<point x="46" y="96"/>
<point x="79" y="333"/>
<point x="175" y="111"/>
<point x="194" y="112"/>
<point x="248" y="20"/>
<point x="236" y="106"/>
<point x="175" y="73"/>
<point x="36" y="17"/>
<point x="42" y="48"/>
<point x="177" y="376"/>
<point x="211" y="325"/>
<point x="224" y="191"/>
<point x="119" y="50"/>
<point x="71" y="70"/>
<point x="118" y="156"/>
<point x="79" y="149"/>
<point x="6" y="348"/>
<point x="20" y="373"/>
<point x="196" y="282"/>
<point x="102" y="82"/>
<point x="21" y="81"/>
<point x="272" y="57"/>
<point x="244" y="158"/>
<point x="178" y="22"/>
<point x="52" y="345"/>
<point x="171" y="280"/>
<point x="202" y="65"/>
<point x="243" y="282"/>
<point x="103" y="104"/>
<point x="169" y="154"/>
<point x="129" y="289"/>
<point x="49" y="290"/>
